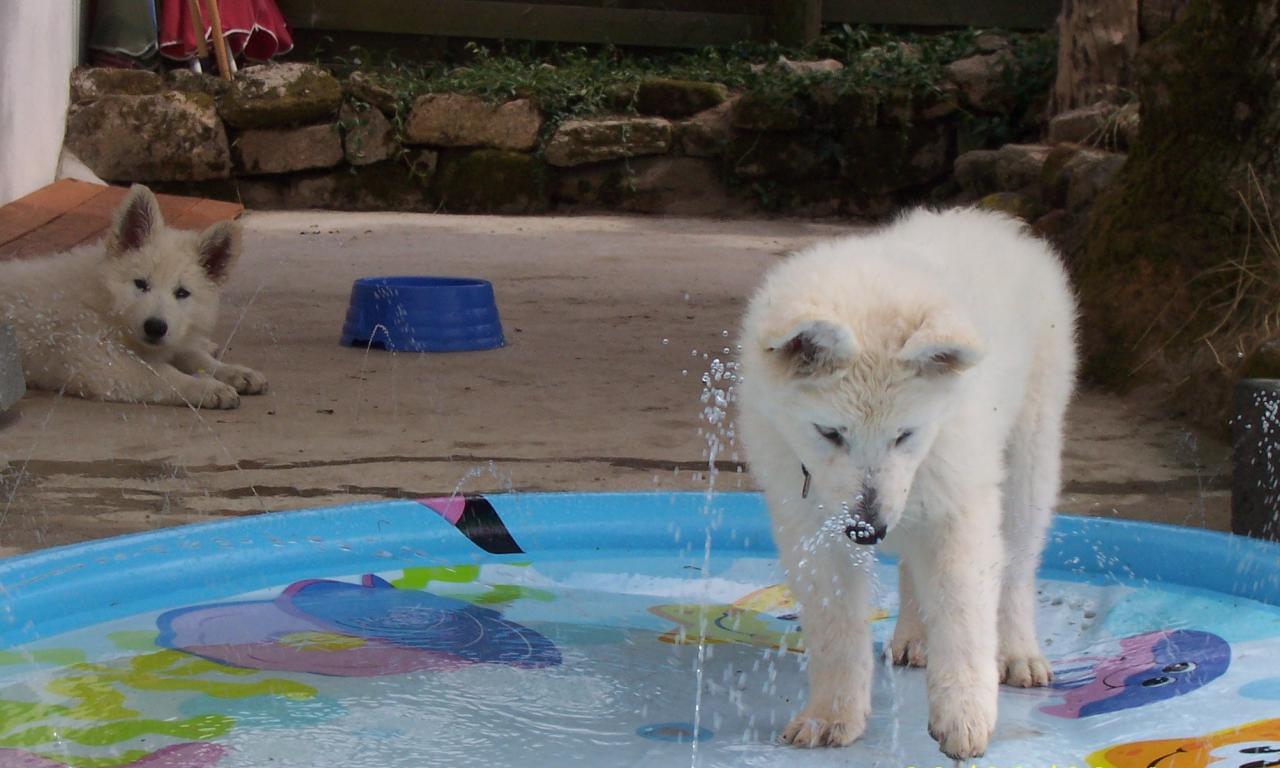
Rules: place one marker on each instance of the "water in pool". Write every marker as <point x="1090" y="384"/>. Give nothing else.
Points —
<point x="570" y="658"/>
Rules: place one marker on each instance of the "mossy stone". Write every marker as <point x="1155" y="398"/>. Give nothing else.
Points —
<point x="847" y="107"/>
<point x="1015" y="204"/>
<point x="156" y="137"/>
<point x="1054" y="181"/>
<point x="386" y="186"/>
<point x="279" y="95"/>
<point x="777" y="157"/>
<point x="890" y="158"/>
<point x="186" y="81"/>
<point x="677" y="98"/>
<point x="369" y="88"/>
<point x="621" y="97"/>
<point x="490" y="181"/>
<point x="90" y="83"/>
<point x="762" y="111"/>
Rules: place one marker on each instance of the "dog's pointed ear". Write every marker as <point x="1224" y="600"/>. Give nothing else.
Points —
<point x="943" y="345"/>
<point x="134" y="221"/>
<point x="813" y="348"/>
<point x="219" y="249"/>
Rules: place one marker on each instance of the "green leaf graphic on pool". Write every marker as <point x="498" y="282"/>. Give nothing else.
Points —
<point x="99" y="693"/>
<point x="495" y="594"/>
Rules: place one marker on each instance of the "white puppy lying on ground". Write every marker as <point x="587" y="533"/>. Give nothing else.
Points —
<point x="910" y="385"/>
<point x="129" y="319"/>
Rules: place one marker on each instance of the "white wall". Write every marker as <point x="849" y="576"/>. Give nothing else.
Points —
<point x="39" y="45"/>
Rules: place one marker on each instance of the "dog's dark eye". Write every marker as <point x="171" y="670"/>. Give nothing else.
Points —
<point x="181" y="293"/>
<point x="903" y="436"/>
<point x="1180" y="666"/>
<point x="832" y="436"/>
<point x="142" y="285"/>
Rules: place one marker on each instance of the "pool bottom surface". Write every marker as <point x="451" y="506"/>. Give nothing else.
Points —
<point x="572" y="657"/>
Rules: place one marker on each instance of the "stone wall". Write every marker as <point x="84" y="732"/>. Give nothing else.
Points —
<point x="289" y="136"/>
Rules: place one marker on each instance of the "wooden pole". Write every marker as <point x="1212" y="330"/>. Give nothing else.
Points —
<point x="1255" y="482"/>
<point x="219" y="44"/>
<point x="796" y="22"/>
<point x="197" y="25"/>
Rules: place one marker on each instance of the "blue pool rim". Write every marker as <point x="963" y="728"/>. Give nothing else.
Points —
<point x="422" y="313"/>
<point x="64" y="588"/>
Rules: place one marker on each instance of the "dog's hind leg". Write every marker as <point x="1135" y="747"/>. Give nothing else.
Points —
<point x="1034" y="462"/>
<point x="908" y="647"/>
<point x="244" y="380"/>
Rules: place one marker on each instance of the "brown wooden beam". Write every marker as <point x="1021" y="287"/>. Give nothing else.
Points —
<point x="796" y="22"/>
<point x="492" y="19"/>
<point x="1010" y="14"/>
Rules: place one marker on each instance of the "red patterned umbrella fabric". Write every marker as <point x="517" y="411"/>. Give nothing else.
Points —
<point x="253" y="28"/>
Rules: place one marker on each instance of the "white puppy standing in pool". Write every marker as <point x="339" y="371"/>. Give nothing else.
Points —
<point x="910" y="385"/>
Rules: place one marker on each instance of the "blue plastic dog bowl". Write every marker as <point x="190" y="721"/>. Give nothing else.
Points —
<point x="422" y="314"/>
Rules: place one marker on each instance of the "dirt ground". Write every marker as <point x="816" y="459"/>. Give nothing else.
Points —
<point x="610" y="323"/>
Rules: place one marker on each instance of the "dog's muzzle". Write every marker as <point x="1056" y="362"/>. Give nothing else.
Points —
<point x="866" y="527"/>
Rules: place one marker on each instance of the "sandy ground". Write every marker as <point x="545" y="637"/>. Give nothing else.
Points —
<point x="610" y="322"/>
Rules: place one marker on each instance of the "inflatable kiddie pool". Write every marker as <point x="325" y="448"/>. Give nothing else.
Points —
<point x="564" y="629"/>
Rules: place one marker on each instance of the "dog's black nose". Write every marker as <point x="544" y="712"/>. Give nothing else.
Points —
<point x="866" y="527"/>
<point x="155" y="328"/>
<point x="866" y="531"/>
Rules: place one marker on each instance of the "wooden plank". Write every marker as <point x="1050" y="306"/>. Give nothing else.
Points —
<point x="526" y="21"/>
<point x="206" y="212"/>
<point x="80" y="224"/>
<point x="42" y="206"/>
<point x="1010" y="14"/>
<point x="174" y="207"/>
<point x="89" y="220"/>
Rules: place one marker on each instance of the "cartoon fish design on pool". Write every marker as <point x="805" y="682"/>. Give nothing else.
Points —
<point x="354" y="630"/>
<point x="1150" y="667"/>
<point x="766" y="618"/>
<point x="1252" y="745"/>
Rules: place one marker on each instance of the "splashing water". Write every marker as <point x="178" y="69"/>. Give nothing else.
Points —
<point x="719" y="389"/>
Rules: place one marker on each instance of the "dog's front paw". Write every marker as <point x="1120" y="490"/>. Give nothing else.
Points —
<point x="908" y="649"/>
<point x="960" y="724"/>
<point x="1025" y="670"/>
<point x="244" y="380"/>
<point x="820" y="727"/>
<point x="212" y="394"/>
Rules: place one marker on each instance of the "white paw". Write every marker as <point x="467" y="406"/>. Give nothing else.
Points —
<point x="819" y="727"/>
<point x="1027" y="670"/>
<point x="908" y="649"/>
<point x="960" y="724"/>
<point x="211" y="394"/>
<point x="244" y="380"/>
